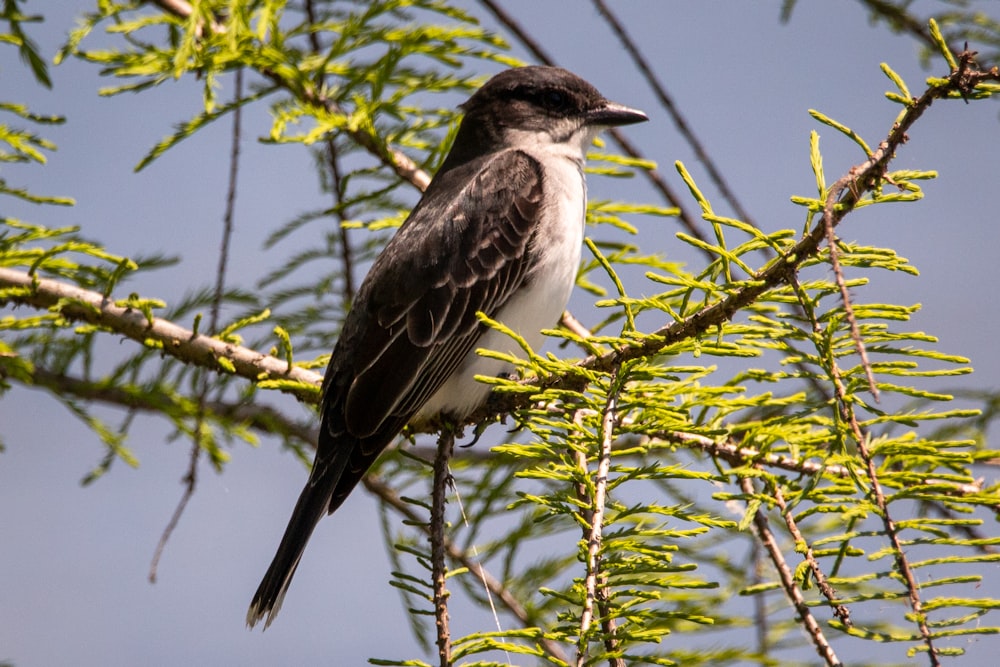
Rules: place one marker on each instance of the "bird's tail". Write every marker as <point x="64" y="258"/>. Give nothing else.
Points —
<point x="309" y="509"/>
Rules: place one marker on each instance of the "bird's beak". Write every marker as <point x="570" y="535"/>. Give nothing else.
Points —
<point x="611" y="114"/>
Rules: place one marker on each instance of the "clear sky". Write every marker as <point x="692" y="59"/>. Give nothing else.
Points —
<point x="73" y="587"/>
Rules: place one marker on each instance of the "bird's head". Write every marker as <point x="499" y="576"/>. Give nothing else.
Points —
<point x="547" y="105"/>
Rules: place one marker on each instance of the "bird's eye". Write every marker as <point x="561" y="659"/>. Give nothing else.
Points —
<point x="553" y="99"/>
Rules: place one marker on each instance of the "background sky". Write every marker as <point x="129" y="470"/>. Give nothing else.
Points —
<point x="73" y="586"/>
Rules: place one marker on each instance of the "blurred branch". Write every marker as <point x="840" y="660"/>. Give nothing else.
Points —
<point x="668" y="104"/>
<point x="899" y="18"/>
<point x="262" y="418"/>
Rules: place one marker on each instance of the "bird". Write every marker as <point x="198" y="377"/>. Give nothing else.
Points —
<point x="498" y="231"/>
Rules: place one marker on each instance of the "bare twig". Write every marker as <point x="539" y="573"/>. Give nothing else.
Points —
<point x="346" y="253"/>
<point x="375" y="485"/>
<point x="595" y="583"/>
<point x="821" y="581"/>
<point x="667" y="102"/>
<point x="190" y="479"/>
<point x="792" y="589"/>
<point x="336" y="181"/>
<point x="228" y="218"/>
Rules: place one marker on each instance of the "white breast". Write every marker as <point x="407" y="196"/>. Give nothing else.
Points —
<point x="538" y="305"/>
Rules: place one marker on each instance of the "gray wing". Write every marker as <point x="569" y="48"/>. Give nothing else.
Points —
<point x="415" y="317"/>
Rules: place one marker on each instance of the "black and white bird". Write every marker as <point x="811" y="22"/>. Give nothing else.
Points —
<point x="499" y="231"/>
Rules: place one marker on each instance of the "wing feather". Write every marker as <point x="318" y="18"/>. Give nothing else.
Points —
<point x="454" y="256"/>
<point x="414" y="319"/>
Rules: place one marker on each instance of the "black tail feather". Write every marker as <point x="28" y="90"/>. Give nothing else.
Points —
<point x="310" y="508"/>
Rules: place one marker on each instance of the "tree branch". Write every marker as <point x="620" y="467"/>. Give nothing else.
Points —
<point x="843" y="197"/>
<point x="822" y="583"/>
<point x="792" y="590"/>
<point x="263" y="418"/>
<point x="595" y="583"/>
<point x="395" y="159"/>
<point x="439" y="568"/>
<point x="78" y="304"/>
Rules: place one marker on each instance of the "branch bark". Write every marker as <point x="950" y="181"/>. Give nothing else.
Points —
<point x="595" y="582"/>
<point x="439" y="566"/>
<point x="792" y="589"/>
<point x="82" y="305"/>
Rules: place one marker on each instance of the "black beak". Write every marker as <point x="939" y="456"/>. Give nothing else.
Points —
<point x="611" y="114"/>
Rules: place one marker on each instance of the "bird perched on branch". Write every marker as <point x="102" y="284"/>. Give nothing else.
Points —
<point x="498" y="231"/>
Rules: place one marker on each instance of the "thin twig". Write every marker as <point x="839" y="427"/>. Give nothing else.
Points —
<point x="189" y="480"/>
<point x="439" y="568"/>
<point x="346" y="253"/>
<point x="845" y="297"/>
<point x="595" y="588"/>
<point x="191" y="477"/>
<point x="228" y="219"/>
<point x="336" y="180"/>
<point x="378" y="487"/>
<point x="667" y="102"/>
<point x="822" y="583"/>
<point x="902" y="562"/>
<point x="792" y="590"/>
